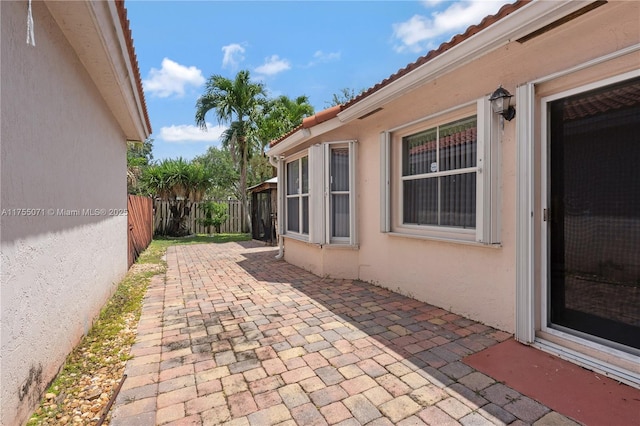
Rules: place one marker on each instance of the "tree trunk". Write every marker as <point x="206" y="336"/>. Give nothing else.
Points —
<point x="243" y="195"/>
<point x="243" y="182"/>
<point x="179" y="214"/>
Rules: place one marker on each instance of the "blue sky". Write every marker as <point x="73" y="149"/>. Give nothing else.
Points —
<point x="312" y="48"/>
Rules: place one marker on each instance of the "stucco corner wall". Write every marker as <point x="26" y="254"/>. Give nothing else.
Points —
<point x="331" y="262"/>
<point x="303" y="255"/>
<point x="63" y="155"/>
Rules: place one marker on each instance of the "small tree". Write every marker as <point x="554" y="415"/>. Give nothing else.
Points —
<point x="139" y="157"/>
<point x="224" y="174"/>
<point x="344" y="96"/>
<point x="215" y="214"/>
<point x="180" y="183"/>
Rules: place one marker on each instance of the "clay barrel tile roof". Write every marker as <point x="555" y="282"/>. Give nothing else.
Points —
<point x="124" y="22"/>
<point x="457" y="39"/>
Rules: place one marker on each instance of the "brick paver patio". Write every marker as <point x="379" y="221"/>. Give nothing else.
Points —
<point x="232" y="336"/>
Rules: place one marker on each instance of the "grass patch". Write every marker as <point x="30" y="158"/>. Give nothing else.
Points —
<point x="158" y="247"/>
<point x="94" y="368"/>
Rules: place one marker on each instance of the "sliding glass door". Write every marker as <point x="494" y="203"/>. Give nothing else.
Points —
<point x="594" y="214"/>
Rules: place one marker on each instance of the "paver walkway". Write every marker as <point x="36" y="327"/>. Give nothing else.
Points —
<point x="233" y="336"/>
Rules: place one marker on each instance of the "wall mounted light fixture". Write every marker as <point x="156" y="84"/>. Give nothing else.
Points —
<point x="500" y="100"/>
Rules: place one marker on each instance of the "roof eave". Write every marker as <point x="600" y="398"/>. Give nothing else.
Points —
<point x="528" y="18"/>
<point x="513" y="22"/>
<point x="95" y="32"/>
<point x="303" y="135"/>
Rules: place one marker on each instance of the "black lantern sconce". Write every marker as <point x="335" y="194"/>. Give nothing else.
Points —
<point x="500" y="100"/>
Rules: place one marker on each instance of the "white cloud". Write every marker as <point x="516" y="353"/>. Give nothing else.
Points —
<point x="420" y="32"/>
<point x="233" y="55"/>
<point x="320" y="57"/>
<point x="326" y="57"/>
<point x="172" y="79"/>
<point x="273" y="65"/>
<point x="189" y="133"/>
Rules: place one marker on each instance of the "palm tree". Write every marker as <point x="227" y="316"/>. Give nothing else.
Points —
<point x="279" y="116"/>
<point x="235" y="102"/>
<point x="231" y="138"/>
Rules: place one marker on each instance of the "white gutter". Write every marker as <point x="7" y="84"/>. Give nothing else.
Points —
<point x="288" y="143"/>
<point x="275" y="162"/>
<point x="519" y="23"/>
<point x="304" y="135"/>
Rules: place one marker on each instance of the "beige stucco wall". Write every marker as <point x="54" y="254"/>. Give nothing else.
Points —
<point x="475" y="281"/>
<point x="61" y="148"/>
<point x="330" y="262"/>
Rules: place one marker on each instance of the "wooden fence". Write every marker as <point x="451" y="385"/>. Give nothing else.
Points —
<point x="140" y="219"/>
<point x="162" y="217"/>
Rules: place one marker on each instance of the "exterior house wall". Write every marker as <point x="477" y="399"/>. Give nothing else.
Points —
<point x="62" y="151"/>
<point x="328" y="262"/>
<point x="473" y="280"/>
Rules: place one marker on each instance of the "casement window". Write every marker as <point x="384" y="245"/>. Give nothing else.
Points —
<point x="297" y="196"/>
<point x="340" y="201"/>
<point x="441" y="176"/>
<point x="320" y="194"/>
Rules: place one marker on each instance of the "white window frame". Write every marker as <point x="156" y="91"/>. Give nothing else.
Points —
<point x="330" y="239"/>
<point x="319" y="159"/>
<point x="487" y="169"/>
<point x="299" y="195"/>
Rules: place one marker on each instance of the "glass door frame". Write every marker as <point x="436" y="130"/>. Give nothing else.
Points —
<point x="530" y="272"/>
<point x="595" y="342"/>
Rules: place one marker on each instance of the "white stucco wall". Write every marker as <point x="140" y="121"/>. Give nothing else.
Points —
<point x="61" y="148"/>
<point x="474" y="281"/>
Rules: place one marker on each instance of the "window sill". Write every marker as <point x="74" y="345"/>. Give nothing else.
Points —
<point x="298" y="237"/>
<point x="332" y="246"/>
<point x="340" y="246"/>
<point x="444" y="240"/>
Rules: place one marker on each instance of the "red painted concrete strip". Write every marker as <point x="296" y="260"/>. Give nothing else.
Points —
<point x="578" y="393"/>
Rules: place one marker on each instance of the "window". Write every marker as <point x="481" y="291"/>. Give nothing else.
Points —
<point x="298" y="195"/>
<point x="440" y="176"/>
<point x="339" y="193"/>
<point x="320" y="202"/>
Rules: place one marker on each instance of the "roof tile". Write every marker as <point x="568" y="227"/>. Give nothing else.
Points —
<point x="332" y="112"/>
<point x="124" y="22"/>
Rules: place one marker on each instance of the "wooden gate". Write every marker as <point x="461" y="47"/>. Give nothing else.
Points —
<point x="140" y="220"/>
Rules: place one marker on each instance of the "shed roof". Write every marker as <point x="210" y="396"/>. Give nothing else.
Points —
<point x="263" y="186"/>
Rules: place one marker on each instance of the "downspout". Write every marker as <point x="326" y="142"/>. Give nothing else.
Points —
<point x="275" y="162"/>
